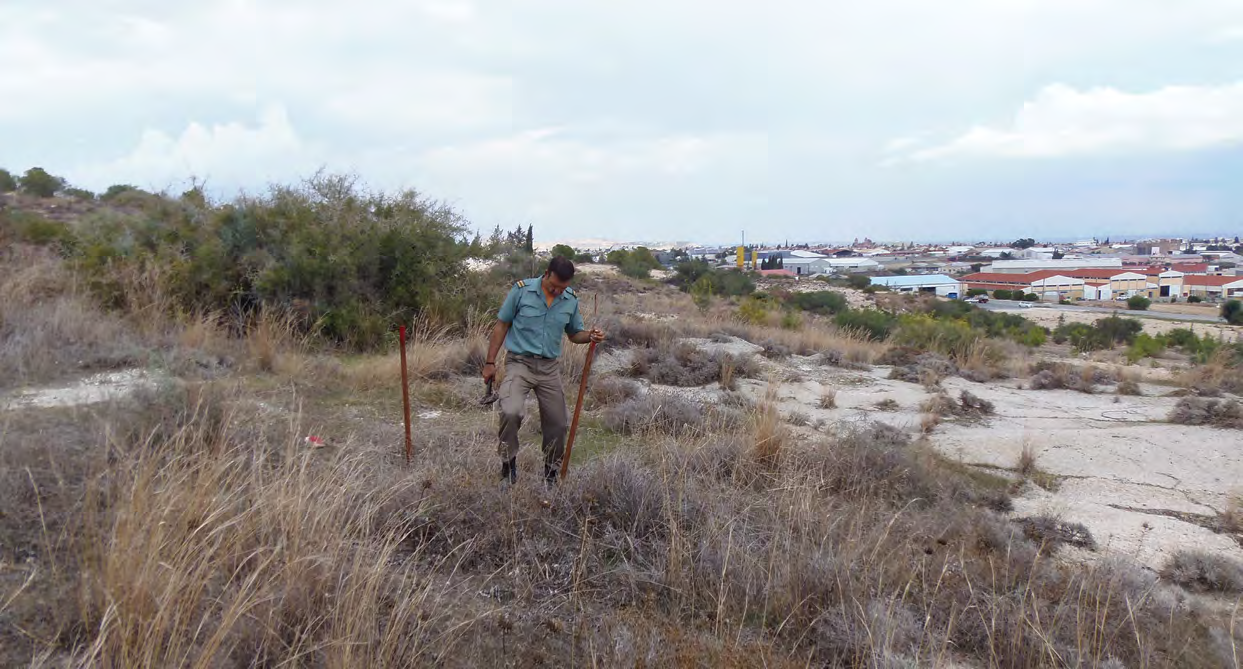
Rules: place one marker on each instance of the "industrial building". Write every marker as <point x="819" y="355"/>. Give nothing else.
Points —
<point x="938" y="284"/>
<point x="1065" y="265"/>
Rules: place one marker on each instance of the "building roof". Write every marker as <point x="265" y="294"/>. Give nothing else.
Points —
<point x="1064" y="264"/>
<point x="777" y="272"/>
<point x="1014" y="279"/>
<point x="914" y="280"/>
<point x="1216" y="281"/>
<point x="1098" y="273"/>
<point x="1189" y="268"/>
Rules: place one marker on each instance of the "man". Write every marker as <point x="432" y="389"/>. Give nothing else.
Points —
<point x="530" y="323"/>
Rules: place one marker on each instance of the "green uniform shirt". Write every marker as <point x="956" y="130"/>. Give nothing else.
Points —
<point x="536" y="328"/>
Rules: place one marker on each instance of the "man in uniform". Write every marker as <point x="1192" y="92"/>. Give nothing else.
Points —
<point x="531" y="322"/>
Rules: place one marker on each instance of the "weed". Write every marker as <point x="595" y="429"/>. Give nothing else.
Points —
<point x="828" y="398"/>
<point x="1054" y="532"/>
<point x="1205" y="572"/>
<point x="887" y="404"/>
<point x="1200" y="411"/>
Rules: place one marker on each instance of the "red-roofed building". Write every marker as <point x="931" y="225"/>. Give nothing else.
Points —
<point x="1051" y="285"/>
<point x="1213" y="287"/>
<point x="778" y="272"/>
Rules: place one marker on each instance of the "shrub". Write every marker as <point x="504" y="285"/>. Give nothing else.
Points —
<point x="828" y="398"/>
<point x="754" y="311"/>
<point x="1205" y="572"/>
<point x="972" y="405"/>
<point x="1031" y="297"/>
<point x="610" y="390"/>
<point x="1195" y="299"/>
<point x="790" y="320"/>
<point x="685" y="365"/>
<point x="1138" y="303"/>
<point x="1055" y="533"/>
<point x="1129" y="387"/>
<point x="858" y="281"/>
<point x="1145" y="346"/>
<point x="8" y="184"/>
<point x="1232" y="312"/>
<point x="824" y="302"/>
<point x="1002" y="294"/>
<point x="655" y="412"/>
<point x="927" y="369"/>
<point x="973" y="292"/>
<point x="37" y="182"/>
<point x="871" y="323"/>
<point x="1203" y="411"/>
<point x="887" y="404"/>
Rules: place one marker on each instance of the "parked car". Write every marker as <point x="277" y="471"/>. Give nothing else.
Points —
<point x="978" y="299"/>
<point x="1025" y="305"/>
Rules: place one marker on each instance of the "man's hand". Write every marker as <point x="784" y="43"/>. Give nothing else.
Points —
<point x="596" y="335"/>
<point x="489" y="371"/>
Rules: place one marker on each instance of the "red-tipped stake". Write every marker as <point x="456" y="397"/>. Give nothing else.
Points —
<point x="578" y="407"/>
<point x="405" y="391"/>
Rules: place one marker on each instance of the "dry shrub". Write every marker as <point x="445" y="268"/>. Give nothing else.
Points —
<point x="1230" y="519"/>
<point x="975" y="406"/>
<point x="928" y="422"/>
<point x="609" y="391"/>
<point x="634" y="332"/>
<point x="274" y="344"/>
<point x="828" y="398"/>
<point x="799" y="418"/>
<point x="1205" y="572"/>
<point x="768" y="431"/>
<point x="847" y="348"/>
<point x="655" y="413"/>
<point x="887" y="404"/>
<point x="50" y="327"/>
<point x="927" y="369"/>
<point x="1129" y="387"/>
<point x="686" y="365"/>
<point x="939" y="404"/>
<point x="1054" y="533"/>
<point x="729" y="380"/>
<point x="1061" y="376"/>
<point x="1027" y="465"/>
<point x="1201" y="411"/>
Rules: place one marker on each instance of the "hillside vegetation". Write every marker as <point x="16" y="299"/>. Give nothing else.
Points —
<point x="194" y="524"/>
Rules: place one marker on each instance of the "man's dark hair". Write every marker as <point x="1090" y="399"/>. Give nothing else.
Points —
<point x="562" y="267"/>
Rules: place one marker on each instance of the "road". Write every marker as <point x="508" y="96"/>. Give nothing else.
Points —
<point x="1010" y="305"/>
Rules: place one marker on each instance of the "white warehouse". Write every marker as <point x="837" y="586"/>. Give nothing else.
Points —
<point x="939" y="284"/>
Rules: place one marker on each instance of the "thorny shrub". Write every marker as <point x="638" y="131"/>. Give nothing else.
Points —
<point x="1205" y="572"/>
<point x="1201" y="411"/>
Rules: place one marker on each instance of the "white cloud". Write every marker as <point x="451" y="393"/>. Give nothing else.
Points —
<point x="231" y="155"/>
<point x="1063" y="121"/>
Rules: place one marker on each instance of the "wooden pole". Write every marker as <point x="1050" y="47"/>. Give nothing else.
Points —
<point x="578" y="408"/>
<point x="405" y="391"/>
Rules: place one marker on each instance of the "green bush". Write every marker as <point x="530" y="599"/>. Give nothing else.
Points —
<point x="858" y="281"/>
<point x="1138" y="303"/>
<point x="34" y="229"/>
<point x="824" y="302"/>
<point x="1232" y="311"/>
<point x="1031" y="297"/>
<point x="753" y="310"/>
<point x="1195" y="299"/>
<point x="352" y="263"/>
<point x="563" y="250"/>
<point x="37" y="182"/>
<point x="1145" y="346"/>
<point x="871" y="323"/>
<point x="973" y="292"/>
<point x="1002" y="294"/>
<point x="790" y="320"/>
<point x="8" y="184"/>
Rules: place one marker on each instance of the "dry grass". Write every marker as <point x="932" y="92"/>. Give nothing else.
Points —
<point x="928" y="422"/>
<point x="1026" y="465"/>
<point x="432" y="354"/>
<point x="49" y="327"/>
<point x="828" y="398"/>
<point x="770" y="434"/>
<point x="217" y="539"/>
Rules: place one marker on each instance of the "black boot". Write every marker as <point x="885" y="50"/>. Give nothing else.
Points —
<point x="509" y="471"/>
<point x="550" y="476"/>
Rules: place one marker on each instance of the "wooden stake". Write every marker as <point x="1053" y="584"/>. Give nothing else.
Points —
<point x="405" y="391"/>
<point x="578" y="408"/>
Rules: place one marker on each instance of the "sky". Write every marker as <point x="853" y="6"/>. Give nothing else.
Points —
<point x="690" y="120"/>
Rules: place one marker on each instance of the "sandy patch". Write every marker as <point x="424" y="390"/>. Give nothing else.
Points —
<point x="91" y="390"/>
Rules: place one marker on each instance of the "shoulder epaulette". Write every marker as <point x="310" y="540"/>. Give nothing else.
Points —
<point x="520" y="284"/>
<point x="570" y="291"/>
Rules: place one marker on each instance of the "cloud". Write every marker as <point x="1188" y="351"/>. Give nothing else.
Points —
<point x="1063" y="121"/>
<point x="228" y="156"/>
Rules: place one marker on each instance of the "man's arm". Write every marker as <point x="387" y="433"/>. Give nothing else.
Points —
<point x="494" y="349"/>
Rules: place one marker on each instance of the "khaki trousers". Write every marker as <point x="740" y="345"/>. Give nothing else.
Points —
<point x="524" y="373"/>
